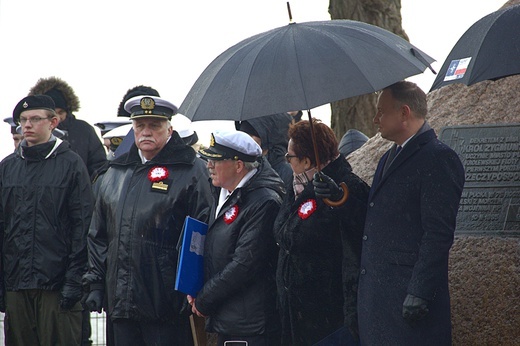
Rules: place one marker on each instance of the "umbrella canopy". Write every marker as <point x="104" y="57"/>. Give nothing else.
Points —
<point x="489" y="49"/>
<point x="301" y="66"/>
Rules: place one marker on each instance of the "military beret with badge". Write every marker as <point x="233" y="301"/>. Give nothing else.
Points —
<point x="32" y="102"/>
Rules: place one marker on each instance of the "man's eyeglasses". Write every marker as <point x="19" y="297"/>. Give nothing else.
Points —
<point x="289" y="157"/>
<point x="33" y="120"/>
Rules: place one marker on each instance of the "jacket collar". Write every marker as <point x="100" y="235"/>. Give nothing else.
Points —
<point x="39" y="152"/>
<point x="425" y="135"/>
<point x="264" y="177"/>
<point x="174" y="152"/>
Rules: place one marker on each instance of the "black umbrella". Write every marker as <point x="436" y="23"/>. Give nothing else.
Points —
<point x="301" y="66"/>
<point x="489" y="49"/>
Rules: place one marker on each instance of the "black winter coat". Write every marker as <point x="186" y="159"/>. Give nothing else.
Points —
<point x="135" y="229"/>
<point x="273" y="131"/>
<point x="45" y="210"/>
<point x="318" y="262"/>
<point x="84" y="141"/>
<point x="239" y="293"/>
<point x="408" y="234"/>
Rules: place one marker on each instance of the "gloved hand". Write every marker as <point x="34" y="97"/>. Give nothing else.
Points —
<point x="94" y="301"/>
<point x="325" y="187"/>
<point x="2" y="302"/>
<point x="414" y="308"/>
<point x="70" y="294"/>
<point x="67" y="303"/>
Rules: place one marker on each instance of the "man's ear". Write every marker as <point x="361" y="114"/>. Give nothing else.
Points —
<point x="240" y="166"/>
<point x="406" y="112"/>
<point x="54" y="122"/>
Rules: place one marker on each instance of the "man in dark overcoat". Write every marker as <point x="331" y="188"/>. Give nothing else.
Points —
<point x="412" y="208"/>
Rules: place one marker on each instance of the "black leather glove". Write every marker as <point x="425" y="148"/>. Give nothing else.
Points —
<point x="414" y="308"/>
<point x="70" y="294"/>
<point x="94" y="301"/>
<point x="325" y="187"/>
<point x="2" y="295"/>
<point x="67" y="303"/>
<point x="2" y="302"/>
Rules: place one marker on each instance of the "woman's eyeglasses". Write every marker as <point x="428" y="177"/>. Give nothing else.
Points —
<point x="289" y="157"/>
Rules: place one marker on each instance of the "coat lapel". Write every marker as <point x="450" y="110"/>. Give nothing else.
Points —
<point x="409" y="149"/>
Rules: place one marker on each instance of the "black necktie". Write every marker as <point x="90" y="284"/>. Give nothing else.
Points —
<point x="390" y="158"/>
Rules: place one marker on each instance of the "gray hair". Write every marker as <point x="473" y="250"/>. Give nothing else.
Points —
<point x="249" y="166"/>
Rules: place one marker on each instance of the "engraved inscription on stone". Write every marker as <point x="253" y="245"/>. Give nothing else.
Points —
<point x="490" y="202"/>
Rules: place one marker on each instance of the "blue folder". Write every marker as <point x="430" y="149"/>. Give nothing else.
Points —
<point x="190" y="268"/>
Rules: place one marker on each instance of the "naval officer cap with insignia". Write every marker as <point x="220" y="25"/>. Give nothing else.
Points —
<point x="232" y="145"/>
<point x="150" y="106"/>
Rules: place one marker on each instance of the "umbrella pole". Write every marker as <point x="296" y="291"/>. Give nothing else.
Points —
<point x="342" y="185"/>
<point x="314" y="145"/>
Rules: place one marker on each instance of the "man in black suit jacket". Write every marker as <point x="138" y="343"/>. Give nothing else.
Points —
<point x="412" y="208"/>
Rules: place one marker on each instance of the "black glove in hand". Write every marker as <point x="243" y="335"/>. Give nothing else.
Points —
<point x="2" y="302"/>
<point x="414" y="308"/>
<point x="67" y="303"/>
<point x="325" y="187"/>
<point x="94" y="301"/>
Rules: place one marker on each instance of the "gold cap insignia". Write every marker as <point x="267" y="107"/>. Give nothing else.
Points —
<point x="212" y="141"/>
<point x="147" y="104"/>
<point x="116" y="140"/>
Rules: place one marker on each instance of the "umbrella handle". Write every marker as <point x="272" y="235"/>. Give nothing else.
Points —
<point x="342" y="200"/>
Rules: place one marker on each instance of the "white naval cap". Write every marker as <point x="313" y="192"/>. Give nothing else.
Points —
<point x="120" y="131"/>
<point x="182" y="125"/>
<point x="106" y="126"/>
<point x="150" y="106"/>
<point x="232" y="145"/>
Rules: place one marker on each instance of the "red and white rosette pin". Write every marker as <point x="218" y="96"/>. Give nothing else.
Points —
<point x="157" y="174"/>
<point x="231" y="214"/>
<point x="307" y="208"/>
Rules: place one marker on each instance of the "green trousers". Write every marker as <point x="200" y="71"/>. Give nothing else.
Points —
<point x="34" y="317"/>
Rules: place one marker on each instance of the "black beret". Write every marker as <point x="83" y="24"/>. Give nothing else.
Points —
<point x="58" y="98"/>
<point x="245" y="126"/>
<point x="32" y="102"/>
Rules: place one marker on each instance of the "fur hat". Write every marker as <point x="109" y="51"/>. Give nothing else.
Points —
<point x="135" y="91"/>
<point x="62" y="94"/>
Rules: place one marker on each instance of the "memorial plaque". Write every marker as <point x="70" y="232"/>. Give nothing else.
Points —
<point x="490" y="203"/>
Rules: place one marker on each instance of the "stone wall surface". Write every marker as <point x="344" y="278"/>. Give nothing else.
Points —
<point x="484" y="271"/>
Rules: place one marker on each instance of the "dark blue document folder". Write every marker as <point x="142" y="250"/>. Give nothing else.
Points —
<point x="190" y="271"/>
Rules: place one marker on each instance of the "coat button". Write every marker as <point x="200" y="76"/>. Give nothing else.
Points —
<point x="365" y="237"/>
<point x="286" y="288"/>
<point x="363" y="271"/>
<point x="278" y="244"/>
<point x="371" y="204"/>
<point x="286" y="252"/>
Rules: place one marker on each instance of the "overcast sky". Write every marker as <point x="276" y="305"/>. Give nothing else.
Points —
<point x="103" y="48"/>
